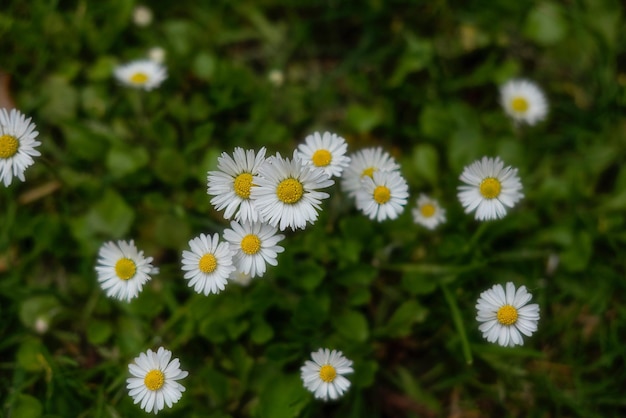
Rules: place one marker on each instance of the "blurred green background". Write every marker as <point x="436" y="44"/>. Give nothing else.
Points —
<point x="415" y="77"/>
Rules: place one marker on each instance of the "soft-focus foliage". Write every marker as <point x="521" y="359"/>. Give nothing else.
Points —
<point x="420" y="79"/>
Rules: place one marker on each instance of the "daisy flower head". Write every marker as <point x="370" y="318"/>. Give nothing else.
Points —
<point x="255" y="245"/>
<point x="324" y="376"/>
<point x="154" y="382"/>
<point x="364" y="163"/>
<point x="326" y="151"/>
<point x="489" y="188"/>
<point x="523" y="101"/>
<point x="141" y="74"/>
<point x="17" y="145"/>
<point x="123" y="270"/>
<point x="428" y="213"/>
<point x="287" y="192"/>
<point x="383" y="195"/>
<point x="231" y="185"/>
<point x="505" y="314"/>
<point x="209" y="264"/>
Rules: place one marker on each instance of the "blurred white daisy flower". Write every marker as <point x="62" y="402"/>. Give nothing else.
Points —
<point x="141" y="74"/>
<point x="123" y="270"/>
<point x="231" y="185"/>
<point x="17" y="145"/>
<point x="255" y="245"/>
<point x="326" y="151"/>
<point x="157" y="54"/>
<point x="364" y="163"/>
<point x="505" y="315"/>
<point x="489" y="187"/>
<point x="154" y="382"/>
<point x="209" y="264"/>
<point x="324" y="376"/>
<point x="142" y="15"/>
<point x="287" y="192"/>
<point x="383" y="195"/>
<point x="523" y="101"/>
<point x="240" y="277"/>
<point x="427" y="212"/>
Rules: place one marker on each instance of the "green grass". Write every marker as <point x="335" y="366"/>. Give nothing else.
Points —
<point x="417" y="78"/>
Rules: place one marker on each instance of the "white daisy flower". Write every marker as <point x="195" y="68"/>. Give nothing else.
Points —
<point x="123" y="270"/>
<point x="505" y="314"/>
<point x="383" y="195"/>
<point x="209" y="264"/>
<point x="232" y="184"/>
<point x="142" y="15"/>
<point x="489" y="188"/>
<point x="240" y="277"/>
<point x="287" y="194"/>
<point x="428" y="213"/>
<point x="324" y="376"/>
<point x="523" y="101"/>
<point x="364" y="163"/>
<point x="141" y="74"/>
<point x="17" y="145"/>
<point x="155" y="380"/>
<point x="326" y="151"/>
<point x="255" y="244"/>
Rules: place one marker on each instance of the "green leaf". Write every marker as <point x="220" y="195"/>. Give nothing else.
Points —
<point x="203" y="66"/>
<point x="283" y="398"/>
<point x="111" y="215"/>
<point x="124" y="160"/>
<point x="26" y="406"/>
<point x="30" y="355"/>
<point x="39" y="308"/>
<point x="363" y="119"/>
<point x="98" y="332"/>
<point x="170" y="166"/>
<point x="426" y="162"/>
<point x="545" y="24"/>
<point x="402" y="320"/>
<point x="352" y="325"/>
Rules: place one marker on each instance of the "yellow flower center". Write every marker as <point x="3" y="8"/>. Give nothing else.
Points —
<point x="321" y="158"/>
<point x="382" y="194"/>
<point x="250" y="244"/>
<point x="427" y="210"/>
<point x="139" y="78"/>
<point x="507" y="315"/>
<point x="490" y="188"/>
<point x="289" y="191"/>
<point x="328" y="373"/>
<point x="519" y="104"/>
<point x="369" y="172"/>
<point x="154" y="379"/>
<point x="125" y="268"/>
<point x="243" y="184"/>
<point x="208" y="263"/>
<point x="8" y="146"/>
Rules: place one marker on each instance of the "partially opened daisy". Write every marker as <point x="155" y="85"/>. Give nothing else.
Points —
<point x="489" y="188"/>
<point x="123" y="270"/>
<point x="287" y="192"/>
<point x="523" y="101"/>
<point x="428" y="213"/>
<point x="231" y="185"/>
<point x="364" y="163"/>
<point x="383" y="195"/>
<point x="155" y="380"/>
<point x="17" y="145"/>
<point x="209" y="264"/>
<point x="141" y="74"/>
<point x="505" y="314"/>
<point x="326" y="151"/>
<point x="324" y="376"/>
<point x="255" y="245"/>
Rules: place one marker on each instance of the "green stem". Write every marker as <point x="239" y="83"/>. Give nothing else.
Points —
<point x="458" y="322"/>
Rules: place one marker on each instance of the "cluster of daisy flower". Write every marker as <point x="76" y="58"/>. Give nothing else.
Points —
<point x="263" y="196"/>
